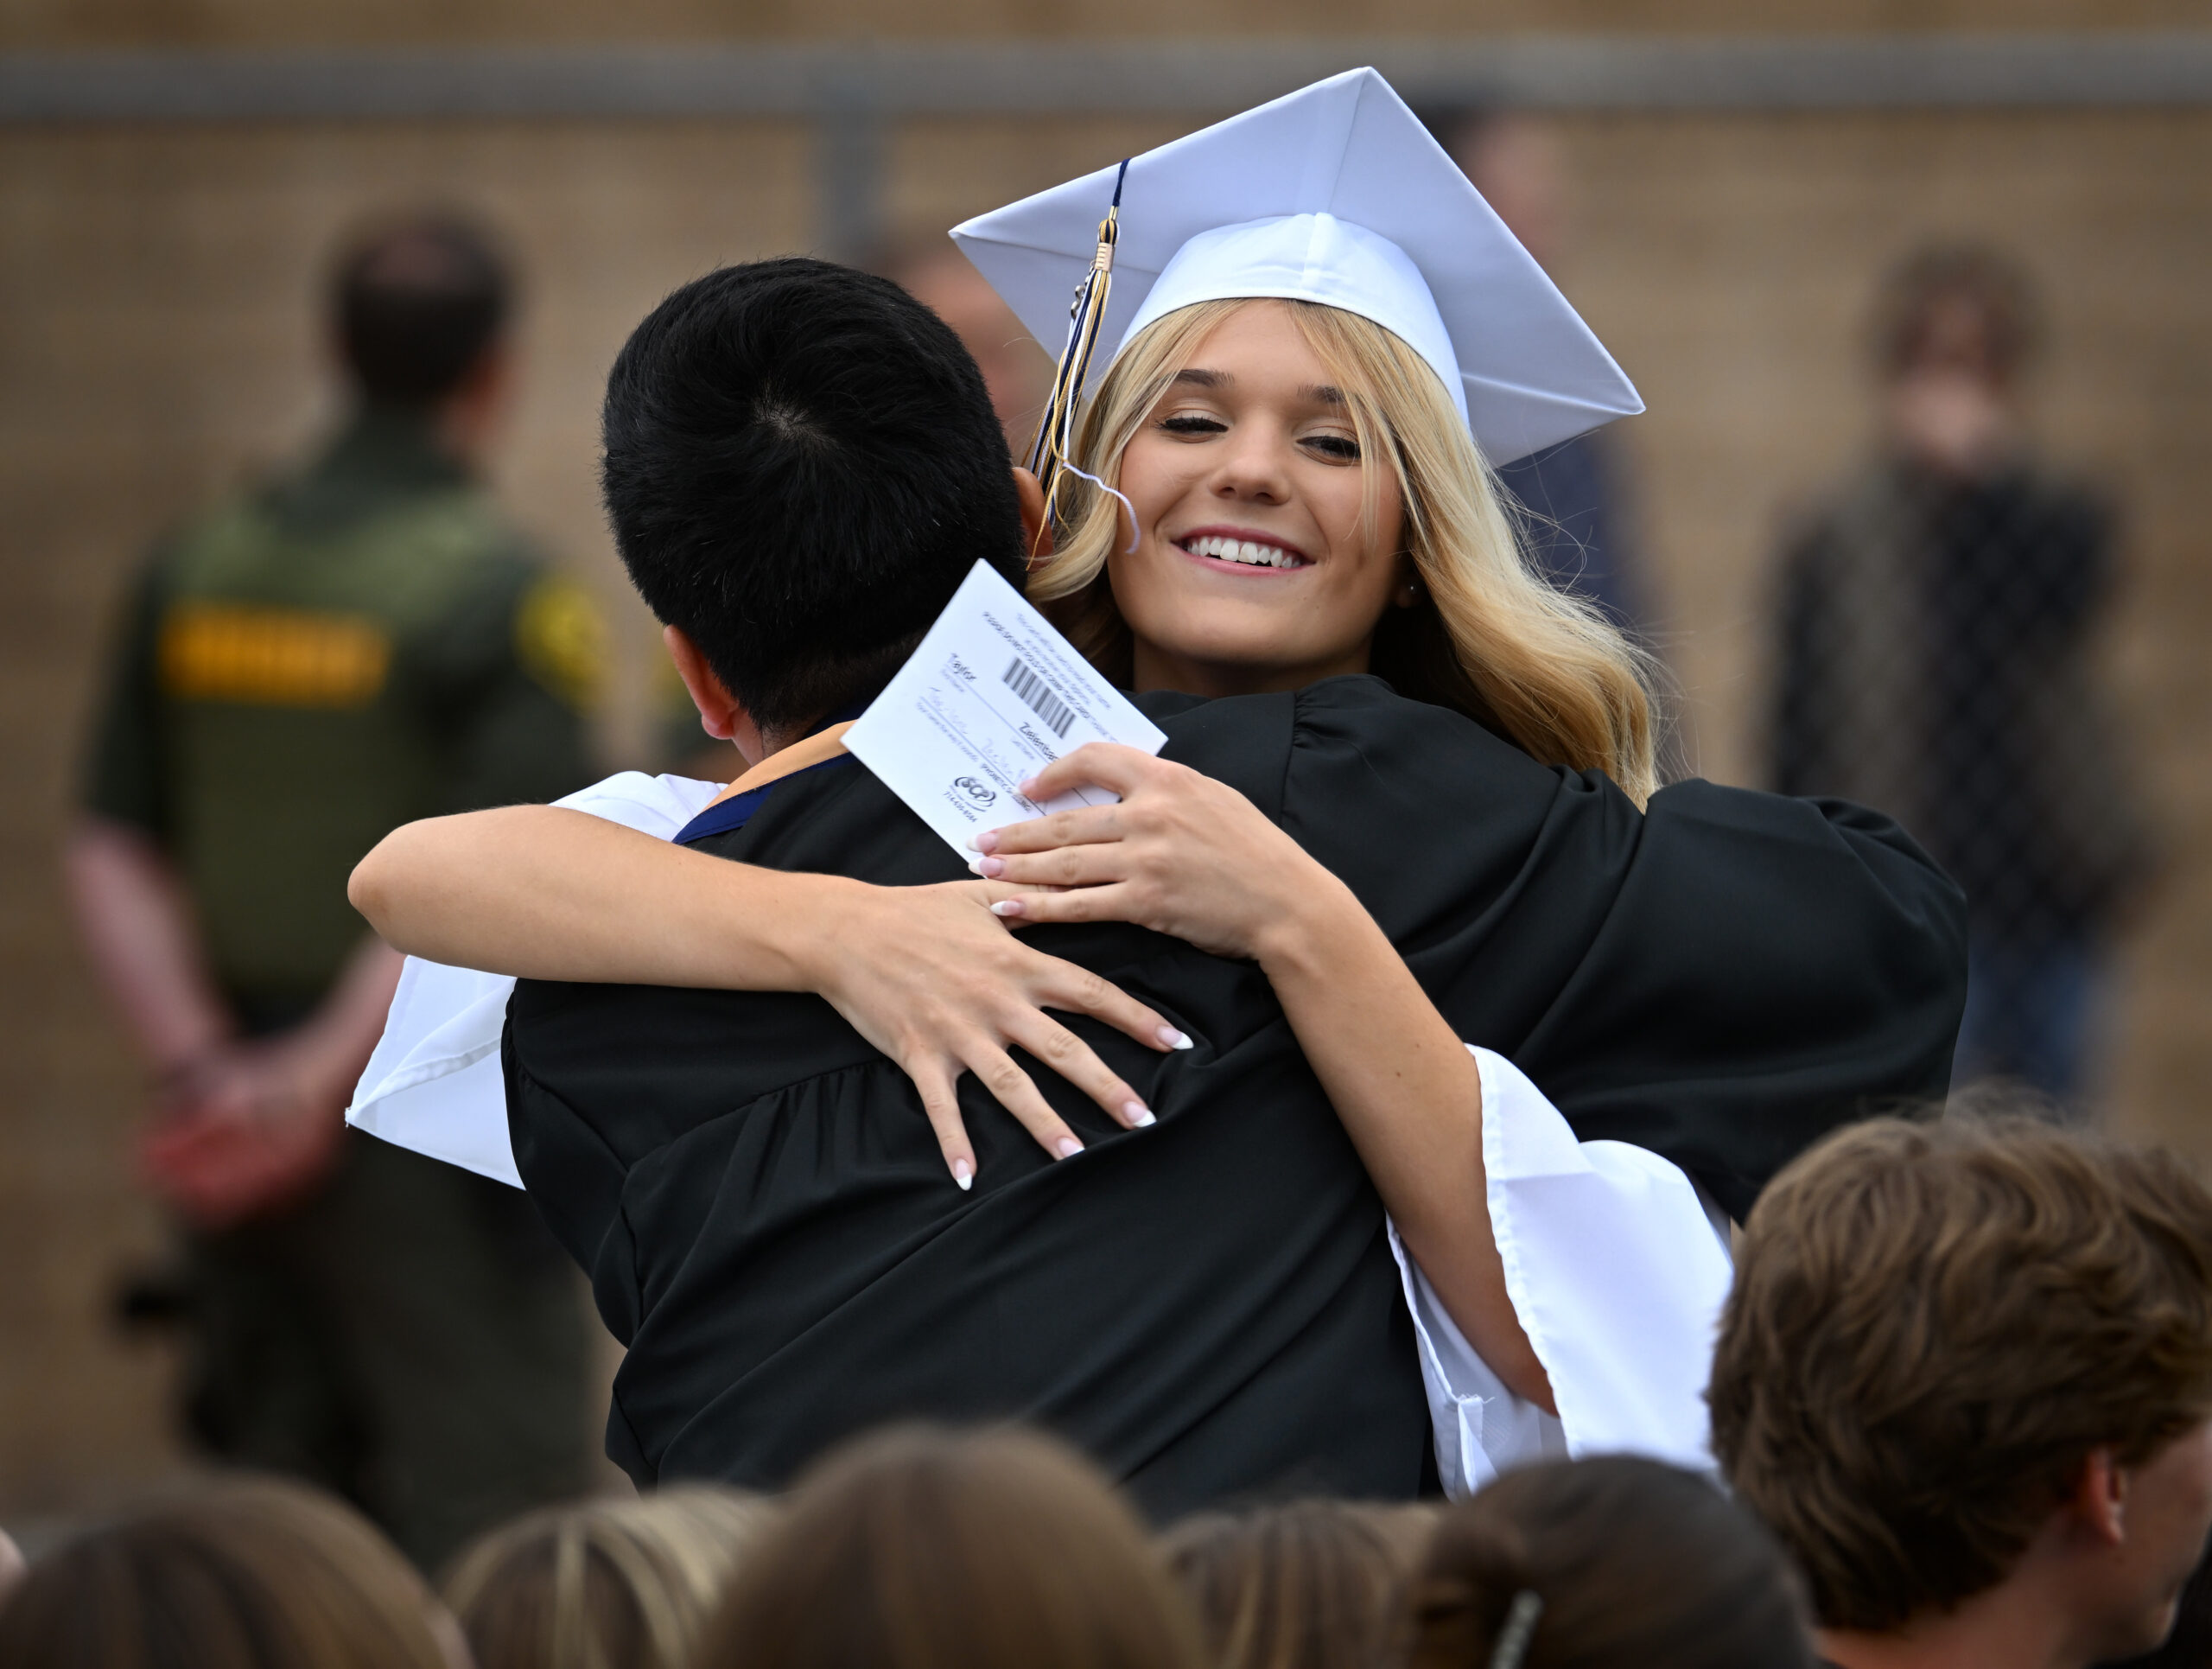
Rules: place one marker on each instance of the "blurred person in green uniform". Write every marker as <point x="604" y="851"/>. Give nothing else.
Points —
<point x="358" y="643"/>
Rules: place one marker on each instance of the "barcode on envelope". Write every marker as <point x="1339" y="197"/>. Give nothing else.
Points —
<point x="1056" y="713"/>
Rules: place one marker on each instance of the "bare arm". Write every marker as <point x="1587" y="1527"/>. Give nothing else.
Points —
<point x="924" y="973"/>
<point x="138" y="926"/>
<point x="542" y="892"/>
<point x="327" y="1051"/>
<point x="1184" y="855"/>
<point x="1411" y="1098"/>
<point x="240" y="1126"/>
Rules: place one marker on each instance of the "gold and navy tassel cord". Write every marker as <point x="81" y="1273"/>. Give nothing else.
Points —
<point x="1050" y="454"/>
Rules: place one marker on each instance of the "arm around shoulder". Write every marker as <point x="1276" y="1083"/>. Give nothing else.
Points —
<point x="924" y="973"/>
<point x="545" y="892"/>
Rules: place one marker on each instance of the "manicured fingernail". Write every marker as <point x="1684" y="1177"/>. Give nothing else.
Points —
<point x="964" y="1173"/>
<point x="1138" y="1114"/>
<point x="1173" y="1039"/>
<point x="993" y="868"/>
<point x="1026" y="787"/>
<point x="1067" y="1147"/>
<point x="986" y="842"/>
<point x="1006" y="907"/>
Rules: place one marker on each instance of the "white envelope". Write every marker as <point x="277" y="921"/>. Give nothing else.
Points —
<point x="992" y="696"/>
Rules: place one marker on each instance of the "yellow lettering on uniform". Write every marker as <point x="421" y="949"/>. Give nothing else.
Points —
<point x="561" y="639"/>
<point x="266" y="657"/>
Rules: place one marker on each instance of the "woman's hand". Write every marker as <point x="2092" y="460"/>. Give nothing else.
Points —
<point x="932" y="978"/>
<point x="1184" y="855"/>
<point x="1181" y="854"/>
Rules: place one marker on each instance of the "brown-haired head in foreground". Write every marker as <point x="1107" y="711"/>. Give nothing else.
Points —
<point x="919" y="1548"/>
<point x="249" y="1575"/>
<point x="613" y="1583"/>
<point x="1959" y="306"/>
<point x="1933" y="1328"/>
<point x="1313" y="1584"/>
<point x="1614" y="1562"/>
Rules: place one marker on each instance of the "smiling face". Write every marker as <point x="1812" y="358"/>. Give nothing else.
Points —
<point x="1255" y="568"/>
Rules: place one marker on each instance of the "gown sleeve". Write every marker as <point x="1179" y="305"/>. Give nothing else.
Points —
<point x="1618" y="1269"/>
<point x="434" y="1085"/>
<point x="1720" y="980"/>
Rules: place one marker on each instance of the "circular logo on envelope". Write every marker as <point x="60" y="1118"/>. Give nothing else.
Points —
<point x="982" y="793"/>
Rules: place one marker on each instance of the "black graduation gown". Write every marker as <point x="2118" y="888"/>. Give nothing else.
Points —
<point x="1209" y="1306"/>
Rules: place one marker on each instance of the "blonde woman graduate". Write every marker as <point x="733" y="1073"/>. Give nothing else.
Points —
<point x="1486" y="1031"/>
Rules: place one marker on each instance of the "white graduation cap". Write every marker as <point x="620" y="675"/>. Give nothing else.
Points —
<point x="1337" y="195"/>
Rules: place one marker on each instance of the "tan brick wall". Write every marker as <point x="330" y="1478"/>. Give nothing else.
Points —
<point x="1728" y="262"/>
<point x="264" y="22"/>
<point x="158" y="340"/>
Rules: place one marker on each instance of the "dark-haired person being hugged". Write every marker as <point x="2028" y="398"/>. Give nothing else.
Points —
<point x="360" y="642"/>
<point x="1965" y="1376"/>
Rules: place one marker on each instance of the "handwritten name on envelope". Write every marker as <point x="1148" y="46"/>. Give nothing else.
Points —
<point x="992" y="696"/>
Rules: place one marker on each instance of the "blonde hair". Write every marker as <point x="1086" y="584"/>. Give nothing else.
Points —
<point x="916" y="1548"/>
<point x="604" y="1584"/>
<point x="1308" y="1584"/>
<point x="1488" y="637"/>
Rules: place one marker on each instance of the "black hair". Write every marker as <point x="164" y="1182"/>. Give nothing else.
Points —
<point x="801" y="464"/>
<point x="418" y="303"/>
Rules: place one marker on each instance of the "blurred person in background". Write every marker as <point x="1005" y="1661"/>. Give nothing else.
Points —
<point x="360" y="642"/>
<point x="1311" y="1584"/>
<point x="917" y="1547"/>
<point x="1965" y="1376"/>
<point x="1015" y="371"/>
<point x="1579" y="526"/>
<point x="241" y="1575"/>
<point x="1614" y="1562"/>
<point x="1937" y="617"/>
<point x="605" y="1584"/>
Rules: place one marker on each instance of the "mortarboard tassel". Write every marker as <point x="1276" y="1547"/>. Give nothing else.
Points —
<point x="1050" y="454"/>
